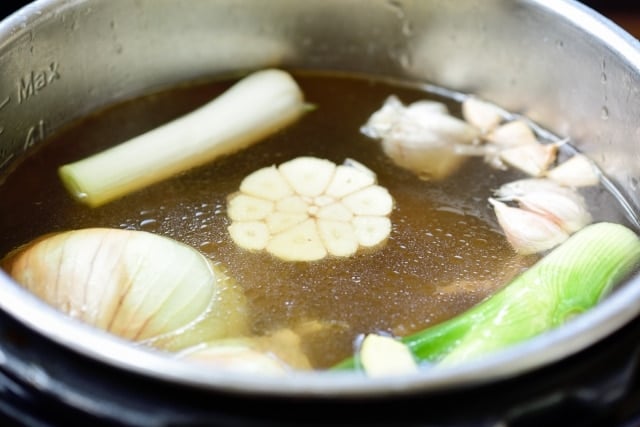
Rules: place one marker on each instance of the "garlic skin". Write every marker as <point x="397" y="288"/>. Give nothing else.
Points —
<point x="421" y="137"/>
<point x="137" y="285"/>
<point x="309" y="208"/>
<point x="527" y="232"/>
<point x="547" y="212"/>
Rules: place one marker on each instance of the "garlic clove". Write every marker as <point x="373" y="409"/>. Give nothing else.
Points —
<point x="567" y="209"/>
<point x="382" y="121"/>
<point x="371" y="230"/>
<point x="251" y="235"/>
<point x="371" y="201"/>
<point x="299" y="243"/>
<point x="280" y="221"/>
<point x="422" y="137"/>
<point x="335" y="212"/>
<point x="249" y="208"/>
<point x="292" y="204"/>
<point x="513" y="133"/>
<point x="349" y="179"/>
<point x="527" y="232"/>
<point x="382" y="356"/>
<point x="578" y="171"/>
<point x="309" y="176"/>
<point x="481" y="114"/>
<point x="237" y="357"/>
<point x="533" y="159"/>
<point x="512" y="190"/>
<point x="339" y="237"/>
<point x="266" y="183"/>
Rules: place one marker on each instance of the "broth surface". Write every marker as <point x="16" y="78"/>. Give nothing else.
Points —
<point x="445" y="254"/>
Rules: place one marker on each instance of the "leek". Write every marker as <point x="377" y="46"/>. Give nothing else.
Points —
<point x="566" y="282"/>
<point x="258" y="105"/>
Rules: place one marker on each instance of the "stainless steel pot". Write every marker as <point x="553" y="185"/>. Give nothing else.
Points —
<point x="556" y="61"/>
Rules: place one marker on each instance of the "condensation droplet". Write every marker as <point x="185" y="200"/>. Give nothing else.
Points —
<point x="604" y="113"/>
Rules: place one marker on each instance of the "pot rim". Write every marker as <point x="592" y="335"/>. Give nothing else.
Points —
<point x="581" y="332"/>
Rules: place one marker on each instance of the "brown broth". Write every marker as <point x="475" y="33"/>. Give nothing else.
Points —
<point x="445" y="254"/>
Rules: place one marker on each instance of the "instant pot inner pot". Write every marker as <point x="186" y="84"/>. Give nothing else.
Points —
<point x="558" y="63"/>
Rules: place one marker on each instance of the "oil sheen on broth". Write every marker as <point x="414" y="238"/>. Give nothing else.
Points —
<point x="445" y="253"/>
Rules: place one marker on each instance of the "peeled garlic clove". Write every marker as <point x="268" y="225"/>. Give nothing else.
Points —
<point x="513" y="133"/>
<point x="249" y="208"/>
<point x="425" y="108"/>
<point x="281" y="221"/>
<point x="371" y="230"/>
<point x="134" y="284"/>
<point x="237" y="357"/>
<point x="527" y="232"/>
<point x="267" y="182"/>
<point x="533" y="159"/>
<point x="349" y="179"/>
<point x="339" y="237"/>
<point x="371" y="201"/>
<point x="578" y="171"/>
<point x="293" y="204"/>
<point x="299" y="243"/>
<point x="309" y="176"/>
<point x="481" y="114"/>
<point x="383" y="356"/>
<point x="251" y="235"/>
<point x="430" y="161"/>
<point x="334" y="211"/>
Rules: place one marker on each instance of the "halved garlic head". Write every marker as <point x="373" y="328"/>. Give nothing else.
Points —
<point x="309" y="208"/>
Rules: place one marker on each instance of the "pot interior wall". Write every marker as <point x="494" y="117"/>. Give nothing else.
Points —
<point x="63" y="59"/>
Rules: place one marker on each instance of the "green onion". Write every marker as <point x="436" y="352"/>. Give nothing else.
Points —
<point x="566" y="282"/>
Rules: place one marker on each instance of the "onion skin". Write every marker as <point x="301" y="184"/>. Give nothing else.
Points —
<point x="137" y="285"/>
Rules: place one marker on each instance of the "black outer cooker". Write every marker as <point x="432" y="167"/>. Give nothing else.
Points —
<point x="44" y="384"/>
